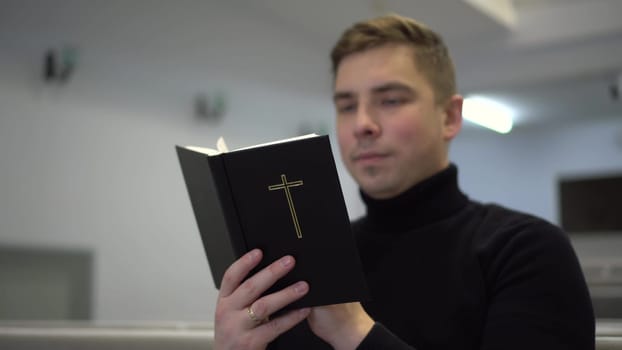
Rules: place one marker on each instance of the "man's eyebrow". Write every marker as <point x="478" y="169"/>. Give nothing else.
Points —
<point x="342" y="95"/>
<point x="394" y="86"/>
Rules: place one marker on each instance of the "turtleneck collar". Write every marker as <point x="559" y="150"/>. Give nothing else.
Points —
<point x="427" y="202"/>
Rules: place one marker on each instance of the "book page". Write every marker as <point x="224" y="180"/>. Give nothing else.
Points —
<point x="221" y="146"/>
<point x="279" y="141"/>
<point x="207" y="151"/>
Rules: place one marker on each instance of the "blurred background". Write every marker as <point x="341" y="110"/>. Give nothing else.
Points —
<point x="95" y="220"/>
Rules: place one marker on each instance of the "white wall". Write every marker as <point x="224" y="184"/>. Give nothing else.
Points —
<point x="521" y="170"/>
<point x="91" y="164"/>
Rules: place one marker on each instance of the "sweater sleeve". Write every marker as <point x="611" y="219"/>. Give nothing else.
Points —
<point x="537" y="294"/>
<point x="381" y="338"/>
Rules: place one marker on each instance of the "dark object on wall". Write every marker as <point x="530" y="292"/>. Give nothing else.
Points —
<point x="49" y="66"/>
<point x="591" y="204"/>
<point x="59" y="65"/>
<point x="210" y="107"/>
<point x="614" y="92"/>
<point x="45" y="284"/>
<point x="616" y="88"/>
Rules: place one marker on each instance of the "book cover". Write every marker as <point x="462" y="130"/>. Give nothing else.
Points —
<point x="284" y="198"/>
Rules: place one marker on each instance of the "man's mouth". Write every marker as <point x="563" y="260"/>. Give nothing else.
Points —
<point x="369" y="157"/>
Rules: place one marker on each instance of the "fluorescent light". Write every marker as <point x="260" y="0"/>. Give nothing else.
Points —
<point x="488" y="113"/>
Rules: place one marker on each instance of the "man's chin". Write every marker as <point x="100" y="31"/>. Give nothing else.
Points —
<point x="378" y="190"/>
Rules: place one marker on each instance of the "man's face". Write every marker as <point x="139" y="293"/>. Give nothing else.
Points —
<point x="392" y="134"/>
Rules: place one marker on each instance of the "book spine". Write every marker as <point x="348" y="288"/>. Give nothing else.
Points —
<point x="236" y="235"/>
<point x="216" y="217"/>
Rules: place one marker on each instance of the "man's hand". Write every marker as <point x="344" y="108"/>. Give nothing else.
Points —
<point x="343" y="326"/>
<point x="242" y="316"/>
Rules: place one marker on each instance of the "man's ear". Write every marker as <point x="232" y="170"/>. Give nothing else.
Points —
<point x="453" y="117"/>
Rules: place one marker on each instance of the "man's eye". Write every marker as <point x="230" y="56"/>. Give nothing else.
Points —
<point x="392" y="101"/>
<point x="346" y="108"/>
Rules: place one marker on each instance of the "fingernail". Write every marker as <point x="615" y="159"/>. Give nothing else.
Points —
<point x="253" y="255"/>
<point x="301" y="287"/>
<point x="286" y="261"/>
<point x="305" y="311"/>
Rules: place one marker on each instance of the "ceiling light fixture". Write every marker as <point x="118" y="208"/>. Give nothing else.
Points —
<point x="488" y="113"/>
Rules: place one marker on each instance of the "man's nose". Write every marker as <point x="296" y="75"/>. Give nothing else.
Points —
<point x="366" y="123"/>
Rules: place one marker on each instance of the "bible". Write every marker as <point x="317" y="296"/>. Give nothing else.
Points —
<point x="285" y="198"/>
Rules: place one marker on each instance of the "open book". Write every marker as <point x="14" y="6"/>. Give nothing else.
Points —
<point x="283" y="197"/>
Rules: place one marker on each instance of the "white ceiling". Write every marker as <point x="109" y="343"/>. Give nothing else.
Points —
<point x="552" y="61"/>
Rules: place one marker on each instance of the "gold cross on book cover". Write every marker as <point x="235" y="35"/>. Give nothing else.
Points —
<point x="284" y="185"/>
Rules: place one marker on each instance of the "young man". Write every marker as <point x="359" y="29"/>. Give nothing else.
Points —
<point x="444" y="272"/>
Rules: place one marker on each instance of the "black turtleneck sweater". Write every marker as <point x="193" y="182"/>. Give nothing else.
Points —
<point x="446" y="272"/>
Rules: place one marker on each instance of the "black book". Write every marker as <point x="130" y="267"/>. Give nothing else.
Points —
<point x="284" y="198"/>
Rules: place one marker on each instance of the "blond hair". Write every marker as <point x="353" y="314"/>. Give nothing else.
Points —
<point x="431" y="54"/>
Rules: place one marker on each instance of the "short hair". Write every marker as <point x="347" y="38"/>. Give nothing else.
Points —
<point x="431" y="54"/>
